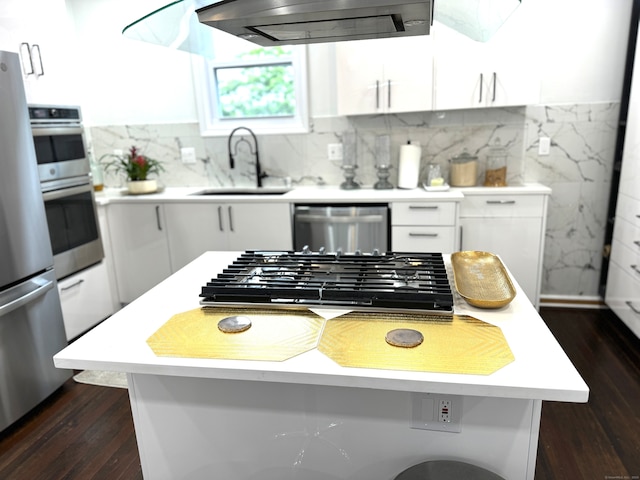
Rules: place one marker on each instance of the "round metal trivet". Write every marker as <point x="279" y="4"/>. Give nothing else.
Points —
<point x="404" y="337"/>
<point x="234" y="324"/>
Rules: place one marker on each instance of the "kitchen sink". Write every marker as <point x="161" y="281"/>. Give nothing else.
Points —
<point x="243" y="191"/>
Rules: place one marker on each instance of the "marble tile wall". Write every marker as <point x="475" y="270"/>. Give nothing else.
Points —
<point x="578" y="168"/>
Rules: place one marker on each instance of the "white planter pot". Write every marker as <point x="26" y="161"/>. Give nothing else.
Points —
<point x="142" y="186"/>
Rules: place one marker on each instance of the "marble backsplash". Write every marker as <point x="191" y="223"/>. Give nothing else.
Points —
<point x="578" y="168"/>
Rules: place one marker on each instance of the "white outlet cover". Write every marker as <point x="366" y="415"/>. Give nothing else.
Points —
<point x="425" y="412"/>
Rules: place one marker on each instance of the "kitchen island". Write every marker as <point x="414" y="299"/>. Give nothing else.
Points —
<point x="308" y="417"/>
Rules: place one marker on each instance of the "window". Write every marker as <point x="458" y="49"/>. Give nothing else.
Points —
<point x="263" y="88"/>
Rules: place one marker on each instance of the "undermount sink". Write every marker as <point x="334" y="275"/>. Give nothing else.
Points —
<point x="243" y="191"/>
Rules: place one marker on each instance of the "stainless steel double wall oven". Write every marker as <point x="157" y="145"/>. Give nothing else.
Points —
<point x="67" y="189"/>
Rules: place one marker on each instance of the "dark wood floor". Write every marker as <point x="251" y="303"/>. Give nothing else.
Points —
<point x="86" y="432"/>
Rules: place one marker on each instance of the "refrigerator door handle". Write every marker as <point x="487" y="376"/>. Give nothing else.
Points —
<point x="28" y="297"/>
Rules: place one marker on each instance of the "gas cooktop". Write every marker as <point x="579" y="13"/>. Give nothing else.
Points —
<point x="391" y="280"/>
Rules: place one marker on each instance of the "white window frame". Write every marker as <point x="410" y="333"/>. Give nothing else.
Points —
<point x="206" y="97"/>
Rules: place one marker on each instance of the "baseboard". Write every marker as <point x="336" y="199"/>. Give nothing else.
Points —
<point x="567" y="301"/>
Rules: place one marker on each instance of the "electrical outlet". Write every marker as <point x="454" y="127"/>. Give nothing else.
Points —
<point x="188" y="155"/>
<point x="544" y="145"/>
<point x="117" y="152"/>
<point x="334" y="151"/>
<point x="444" y="411"/>
<point x="441" y="413"/>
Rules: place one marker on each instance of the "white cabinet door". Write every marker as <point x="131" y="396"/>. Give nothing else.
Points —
<point x="470" y="74"/>
<point x="515" y="240"/>
<point x="194" y="228"/>
<point x="256" y="226"/>
<point x="40" y="31"/>
<point x="140" y="247"/>
<point x="86" y="299"/>
<point x="384" y="75"/>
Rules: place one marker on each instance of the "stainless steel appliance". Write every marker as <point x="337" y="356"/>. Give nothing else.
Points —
<point x="387" y="281"/>
<point x="31" y="326"/>
<point x="59" y="142"/>
<point x="346" y="228"/>
<point x="64" y="171"/>
<point x="286" y="22"/>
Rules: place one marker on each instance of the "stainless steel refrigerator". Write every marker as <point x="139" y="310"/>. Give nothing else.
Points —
<point x="31" y="326"/>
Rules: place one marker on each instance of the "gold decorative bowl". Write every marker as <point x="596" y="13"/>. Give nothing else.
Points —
<point x="481" y="279"/>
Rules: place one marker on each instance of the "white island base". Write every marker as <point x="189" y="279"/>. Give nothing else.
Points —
<point x="308" y="418"/>
<point x="191" y="428"/>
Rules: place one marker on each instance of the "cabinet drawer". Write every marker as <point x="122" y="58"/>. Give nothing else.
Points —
<point x="423" y="213"/>
<point x="627" y="233"/>
<point x="623" y="297"/>
<point x="423" y="239"/>
<point x="86" y="299"/>
<point x="626" y="258"/>
<point x="628" y="209"/>
<point x="502" y="206"/>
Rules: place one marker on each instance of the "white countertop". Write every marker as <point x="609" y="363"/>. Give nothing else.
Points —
<point x="314" y="194"/>
<point x="541" y="369"/>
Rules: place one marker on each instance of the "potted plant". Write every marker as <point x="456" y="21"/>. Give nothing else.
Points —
<point x="136" y="167"/>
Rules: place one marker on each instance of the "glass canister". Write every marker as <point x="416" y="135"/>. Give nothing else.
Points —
<point x="464" y="170"/>
<point x="496" y="172"/>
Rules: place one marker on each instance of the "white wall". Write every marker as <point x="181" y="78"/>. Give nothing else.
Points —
<point x="125" y="81"/>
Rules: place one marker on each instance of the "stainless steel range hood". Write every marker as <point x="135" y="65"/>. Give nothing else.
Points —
<point x="287" y="22"/>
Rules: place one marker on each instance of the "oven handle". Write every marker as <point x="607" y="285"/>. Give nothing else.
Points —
<point x="40" y="130"/>
<point x="65" y="192"/>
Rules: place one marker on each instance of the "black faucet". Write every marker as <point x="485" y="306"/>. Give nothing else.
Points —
<point x="259" y="174"/>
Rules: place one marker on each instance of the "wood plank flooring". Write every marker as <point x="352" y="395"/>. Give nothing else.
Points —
<point x="86" y="432"/>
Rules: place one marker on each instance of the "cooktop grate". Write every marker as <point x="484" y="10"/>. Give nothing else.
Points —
<point x="392" y="280"/>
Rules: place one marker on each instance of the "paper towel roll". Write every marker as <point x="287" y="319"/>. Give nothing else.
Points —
<point x="409" y="168"/>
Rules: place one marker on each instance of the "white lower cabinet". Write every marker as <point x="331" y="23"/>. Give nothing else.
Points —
<point x="150" y="241"/>
<point x="424" y="226"/>
<point x="509" y="223"/>
<point x="86" y="299"/>
<point x="195" y="228"/>
<point x="140" y="247"/>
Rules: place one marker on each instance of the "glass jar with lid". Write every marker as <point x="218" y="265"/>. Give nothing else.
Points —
<point x="464" y="170"/>
<point x="496" y="171"/>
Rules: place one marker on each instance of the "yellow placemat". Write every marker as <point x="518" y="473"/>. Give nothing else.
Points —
<point x="274" y="335"/>
<point x="452" y="344"/>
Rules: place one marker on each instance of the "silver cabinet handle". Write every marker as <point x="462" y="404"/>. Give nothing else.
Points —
<point x="388" y="93"/>
<point x="220" y="224"/>
<point x="73" y="285"/>
<point x="230" y="218"/>
<point x="635" y="268"/>
<point x="481" y="82"/>
<point x="158" y="217"/>
<point x="430" y="235"/>
<point x="26" y="52"/>
<point x="423" y="207"/>
<point x="633" y="309"/>
<point x="35" y="46"/>
<point x="501" y="202"/>
<point x="495" y="78"/>
<point x="377" y="94"/>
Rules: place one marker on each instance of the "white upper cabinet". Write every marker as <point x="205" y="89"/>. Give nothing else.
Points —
<point x="500" y="72"/>
<point x="384" y="76"/>
<point x="40" y="32"/>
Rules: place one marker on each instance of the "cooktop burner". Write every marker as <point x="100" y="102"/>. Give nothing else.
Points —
<point x="391" y="280"/>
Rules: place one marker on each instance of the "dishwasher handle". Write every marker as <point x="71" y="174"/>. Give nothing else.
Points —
<point x="324" y="219"/>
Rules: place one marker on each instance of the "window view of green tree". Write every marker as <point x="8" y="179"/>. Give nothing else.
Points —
<point x="257" y="90"/>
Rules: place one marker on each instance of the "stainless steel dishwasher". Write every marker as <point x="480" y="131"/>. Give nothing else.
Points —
<point x="345" y="228"/>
